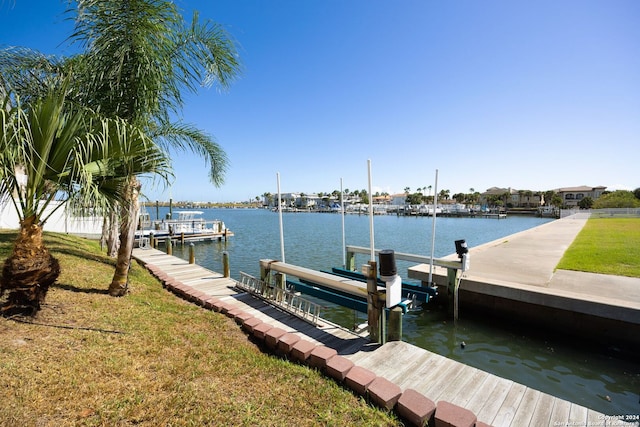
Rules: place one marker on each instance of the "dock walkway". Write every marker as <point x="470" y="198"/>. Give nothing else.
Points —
<point x="494" y="400"/>
<point x="224" y="288"/>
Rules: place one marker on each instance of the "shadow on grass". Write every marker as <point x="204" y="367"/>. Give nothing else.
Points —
<point x="73" y="288"/>
<point x="57" y="243"/>
<point x="102" y="259"/>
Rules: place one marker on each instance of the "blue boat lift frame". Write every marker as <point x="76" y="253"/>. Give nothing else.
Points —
<point x="347" y="287"/>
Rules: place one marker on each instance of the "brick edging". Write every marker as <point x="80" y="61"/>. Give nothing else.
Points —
<point x="414" y="408"/>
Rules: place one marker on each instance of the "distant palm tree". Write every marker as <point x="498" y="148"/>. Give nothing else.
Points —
<point x="528" y="194"/>
<point x="269" y="198"/>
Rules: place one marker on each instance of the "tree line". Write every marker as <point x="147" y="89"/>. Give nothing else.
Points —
<point x="527" y="198"/>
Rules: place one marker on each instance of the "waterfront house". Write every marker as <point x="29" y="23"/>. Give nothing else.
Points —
<point x="511" y="198"/>
<point x="571" y="196"/>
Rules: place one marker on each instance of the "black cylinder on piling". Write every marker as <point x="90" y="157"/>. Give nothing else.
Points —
<point x="387" y="263"/>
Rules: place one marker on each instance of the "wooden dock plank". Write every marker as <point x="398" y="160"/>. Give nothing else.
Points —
<point x="495" y="400"/>
<point x="216" y="288"/>
<point x="417" y="366"/>
<point x="526" y="408"/>
<point x="578" y="415"/>
<point x="507" y="411"/>
<point x="542" y="413"/>
<point x="448" y="374"/>
<point x="190" y="277"/>
<point x="594" y="418"/>
<point x="460" y="392"/>
<point x="387" y="358"/>
<point x="212" y="284"/>
<point x="481" y="396"/>
<point x="428" y="368"/>
<point x="560" y="412"/>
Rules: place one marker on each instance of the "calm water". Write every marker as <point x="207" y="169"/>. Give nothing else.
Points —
<point x="591" y="377"/>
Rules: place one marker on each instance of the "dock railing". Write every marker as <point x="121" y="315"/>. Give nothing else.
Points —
<point x="289" y="301"/>
<point x="421" y="259"/>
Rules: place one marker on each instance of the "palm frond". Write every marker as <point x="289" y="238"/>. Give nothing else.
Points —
<point x="28" y="73"/>
<point x="185" y="137"/>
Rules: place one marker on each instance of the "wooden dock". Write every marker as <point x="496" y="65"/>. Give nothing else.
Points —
<point x="183" y="238"/>
<point x="495" y="401"/>
<point x="215" y="284"/>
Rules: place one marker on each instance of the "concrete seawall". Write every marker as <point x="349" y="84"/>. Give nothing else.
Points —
<point x="515" y="278"/>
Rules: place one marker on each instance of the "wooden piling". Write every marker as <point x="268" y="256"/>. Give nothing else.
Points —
<point x="225" y="264"/>
<point x="374" y="311"/>
<point x="351" y="261"/>
<point x="280" y="285"/>
<point x="192" y="254"/>
<point x="452" y="291"/>
<point x="168" y="244"/>
<point x="395" y="324"/>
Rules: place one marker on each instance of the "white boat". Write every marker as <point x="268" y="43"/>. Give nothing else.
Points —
<point x="189" y="226"/>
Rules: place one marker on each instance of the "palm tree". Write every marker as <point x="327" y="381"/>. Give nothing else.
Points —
<point x="506" y="196"/>
<point x="268" y="197"/>
<point x="140" y="55"/>
<point x="521" y="198"/>
<point x="147" y="55"/>
<point x="51" y="151"/>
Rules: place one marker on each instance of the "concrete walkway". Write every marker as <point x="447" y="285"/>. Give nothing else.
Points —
<point x="521" y="267"/>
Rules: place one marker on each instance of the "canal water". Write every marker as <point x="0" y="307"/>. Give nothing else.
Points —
<point x="591" y="376"/>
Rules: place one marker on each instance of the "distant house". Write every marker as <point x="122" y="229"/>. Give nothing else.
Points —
<point x="511" y="197"/>
<point x="382" y="200"/>
<point x="571" y="196"/>
<point x="398" y="199"/>
<point x="292" y="200"/>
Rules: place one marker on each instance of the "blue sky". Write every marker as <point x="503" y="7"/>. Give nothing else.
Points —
<point x="528" y="95"/>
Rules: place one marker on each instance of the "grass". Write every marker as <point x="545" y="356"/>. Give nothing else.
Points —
<point x="607" y="246"/>
<point x="149" y="359"/>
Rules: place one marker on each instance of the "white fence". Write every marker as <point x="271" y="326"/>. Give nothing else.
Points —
<point x="616" y="212"/>
<point x="61" y="221"/>
<point x="602" y="213"/>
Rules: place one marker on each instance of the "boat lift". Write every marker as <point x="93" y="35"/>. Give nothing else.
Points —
<point x="345" y="290"/>
<point x="352" y="289"/>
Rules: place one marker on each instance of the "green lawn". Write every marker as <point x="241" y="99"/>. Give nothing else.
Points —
<point x="607" y="246"/>
<point x="150" y="359"/>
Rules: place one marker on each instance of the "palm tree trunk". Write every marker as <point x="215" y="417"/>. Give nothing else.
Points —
<point x="110" y="233"/>
<point x="128" y="222"/>
<point x="29" y="271"/>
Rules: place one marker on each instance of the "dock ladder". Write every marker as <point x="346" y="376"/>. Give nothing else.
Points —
<point x="286" y="300"/>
